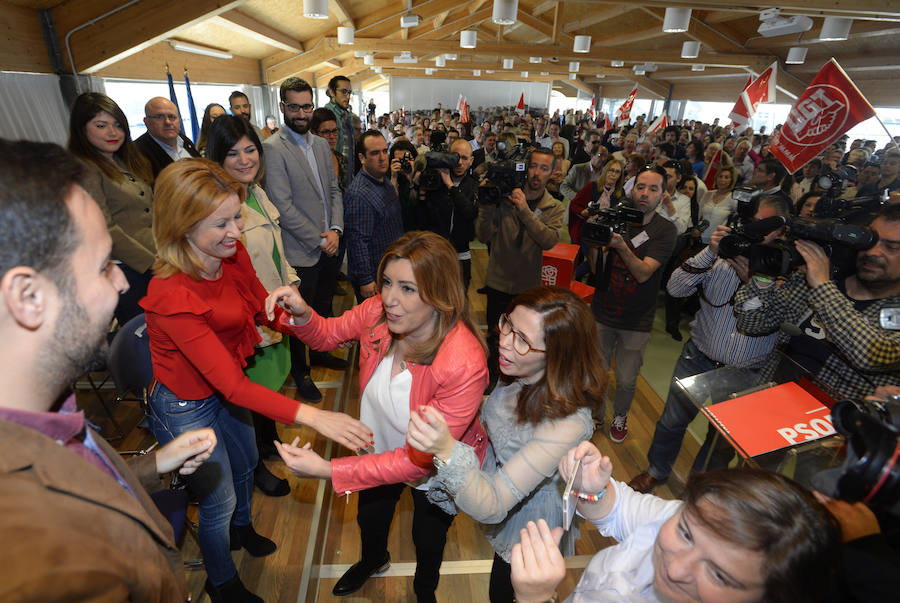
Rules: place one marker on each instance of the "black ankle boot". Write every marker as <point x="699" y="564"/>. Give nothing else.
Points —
<point x="267" y="483"/>
<point x="354" y="578"/>
<point x="256" y="545"/>
<point x="232" y="591"/>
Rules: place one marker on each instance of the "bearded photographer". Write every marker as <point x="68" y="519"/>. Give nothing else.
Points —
<point x="517" y="230"/>
<point x="714" y="342"/>
<point x="449" y="207"/>
<point x="846" y="331"/>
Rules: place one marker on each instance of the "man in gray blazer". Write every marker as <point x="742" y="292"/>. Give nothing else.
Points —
<point x="301" y="182"/>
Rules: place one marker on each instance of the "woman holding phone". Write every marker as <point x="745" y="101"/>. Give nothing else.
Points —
<point x="552" y="376"/>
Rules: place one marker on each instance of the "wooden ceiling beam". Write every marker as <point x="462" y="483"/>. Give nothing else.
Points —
<point x="552" y="68"/>
<point x="640" y="33"/>
<point x="598" y="15"/>
<point x="339" y="10"/>
<point x="540" y="26"/>
<point x="439" y="20"/>
<point x="557" y="22"/>
<point x="245" y="25"/>
<point x="451" y="28"/>
<point x="136" y="28"/>
<point x="888" y="10"/>
<point x="578" y="84"/>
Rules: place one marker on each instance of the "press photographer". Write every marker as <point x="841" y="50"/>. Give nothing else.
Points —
<point x="448" y="202"/>
<point x="844" y="331"/>
<point x="518" y="228"/>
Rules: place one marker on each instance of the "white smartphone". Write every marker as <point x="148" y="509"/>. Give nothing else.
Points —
<point x="569" y="499"/>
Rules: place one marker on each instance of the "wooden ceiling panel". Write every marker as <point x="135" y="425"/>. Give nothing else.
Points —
<point x="212" y="33"/>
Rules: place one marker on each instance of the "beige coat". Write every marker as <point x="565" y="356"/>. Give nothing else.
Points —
<point x="127" y="206"/>
<point x="258" y="234"/>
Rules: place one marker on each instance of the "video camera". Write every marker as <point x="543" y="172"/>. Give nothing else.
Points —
<point x="433" y="161"/>
<point x="502" y="176"/>
<point x="870" y="472"/>
<point x="602" y="223"/>
<point x="840" y="237"/>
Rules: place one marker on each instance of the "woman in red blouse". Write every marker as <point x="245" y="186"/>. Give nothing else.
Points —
<point x="202" y="307"/>
<point x="418" y="348"/>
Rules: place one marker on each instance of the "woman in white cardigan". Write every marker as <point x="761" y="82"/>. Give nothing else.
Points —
<point x="234" y="145"/>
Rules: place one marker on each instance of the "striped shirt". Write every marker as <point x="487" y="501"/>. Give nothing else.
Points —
<point x="714" y="328"/>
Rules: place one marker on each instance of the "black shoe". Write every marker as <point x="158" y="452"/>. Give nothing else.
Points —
<point x="267" y="450"/>
<point x="342" y="277"/>
<point x="354" y="578"/>
<point x="232" y="591"/>
<point x="269" y="484"/>
<point x="307" y="389"/>
<point x="340" y="291"/>
<point x="675" y="333"/>
<point x="246" y="536"/>
<point x="329" y="361"/>
<point x="482" y="290"/>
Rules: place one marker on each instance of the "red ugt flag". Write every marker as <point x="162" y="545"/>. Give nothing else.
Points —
<point x="831" y="105"/>
<point x="625" y="109"/>
<point x="712" y="171"/>
<point x="760" y="90"/>
<point x="520" y="108"/>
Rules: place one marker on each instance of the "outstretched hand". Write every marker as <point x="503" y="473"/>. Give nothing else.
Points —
<point x="428" y="431"/>
<point x="186" y="452"/>
<point x="536" y="565"/>
<point x="596" y="469"/>
<point x="343" y="429"/>
<point x="291" y="300"/>
<point x="303" y="462"/>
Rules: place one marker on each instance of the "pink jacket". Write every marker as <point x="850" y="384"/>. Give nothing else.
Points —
<point x="453" y="384"/>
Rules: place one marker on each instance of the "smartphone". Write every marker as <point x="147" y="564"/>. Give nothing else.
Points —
<point x="569" y="499"/>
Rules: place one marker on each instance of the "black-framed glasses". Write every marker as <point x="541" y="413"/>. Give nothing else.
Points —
<point x="328" y="132"/>
<point x="344" y="91"/>
<point x="519" y="343"/>
<point x="295" y="108"/>
<point x="163" y="117"/>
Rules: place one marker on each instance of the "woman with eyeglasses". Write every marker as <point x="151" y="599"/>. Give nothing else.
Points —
<point x="418" y="348"/>
<point x="552" y="376"/>
<point x="120" y="179"/>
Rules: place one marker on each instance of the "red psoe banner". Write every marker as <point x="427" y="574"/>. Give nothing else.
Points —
<point x="830" y="106"/>
<point x="625" y="110"/>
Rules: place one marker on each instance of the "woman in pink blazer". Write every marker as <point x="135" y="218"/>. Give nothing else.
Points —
<point x="418" y="348"/>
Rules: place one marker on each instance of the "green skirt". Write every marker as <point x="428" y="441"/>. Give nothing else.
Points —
<point x="270" y="365"/>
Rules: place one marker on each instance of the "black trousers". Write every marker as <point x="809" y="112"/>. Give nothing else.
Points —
<point x="429" y="532"/>
<point x="317" y="288"/>
<point x="500" y="589"/>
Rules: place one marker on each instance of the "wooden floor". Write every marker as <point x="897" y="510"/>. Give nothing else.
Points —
<point x="316" y="531"/>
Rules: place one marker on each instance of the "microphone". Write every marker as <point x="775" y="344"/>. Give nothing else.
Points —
<point x="760" y="228"/>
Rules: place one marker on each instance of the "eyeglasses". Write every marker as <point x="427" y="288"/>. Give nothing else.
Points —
<point x="328" y="132"/>
<point x="295" y="108"/>
<point x="163" y="117"/>
<point x="344" y="91"/>
<point x="520" y="344"/>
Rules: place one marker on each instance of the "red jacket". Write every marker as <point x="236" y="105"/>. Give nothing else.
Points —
<point x="453" y="384"/>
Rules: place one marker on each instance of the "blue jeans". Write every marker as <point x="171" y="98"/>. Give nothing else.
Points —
<point x="678" y="413"/>
<point x="224" y="483"/>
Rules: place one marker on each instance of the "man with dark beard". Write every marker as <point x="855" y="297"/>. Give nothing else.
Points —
<point x="76" y="521"/>
<point x="301" y="182"/>
<point x="845" y="332"/>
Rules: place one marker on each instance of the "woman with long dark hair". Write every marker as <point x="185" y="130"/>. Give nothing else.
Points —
<point x="552" y="376"/>
<point x="212" y="112"/>
<point x="119" y="178"/>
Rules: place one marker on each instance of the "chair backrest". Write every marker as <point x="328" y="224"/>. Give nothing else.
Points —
<point x="129" y="357"/>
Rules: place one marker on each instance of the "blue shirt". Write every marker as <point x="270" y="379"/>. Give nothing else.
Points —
<point x="372" y="221"/>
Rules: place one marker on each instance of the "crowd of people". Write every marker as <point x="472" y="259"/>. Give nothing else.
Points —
<point x="234" y="248"/>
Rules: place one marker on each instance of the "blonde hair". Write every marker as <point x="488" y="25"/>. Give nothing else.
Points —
<point x="186" y="192"/>
<point x="439" y="279"/>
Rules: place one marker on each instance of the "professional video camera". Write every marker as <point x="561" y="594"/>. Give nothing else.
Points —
<point x="433" y="161"/>
<point x="602" y="223"/>
<point x="839" y="238"/>
<point x="502" y="176"/>
<point x="870" y="472"/>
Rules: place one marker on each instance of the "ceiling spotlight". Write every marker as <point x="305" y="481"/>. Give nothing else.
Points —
<point x="677" y="20"/>
<point x="468" y="38"/>
<point x="534" y="59"/>
<point x="505" y="12"/>
<point x="639" y="70"/>
<point x="315" y="9"/>
<point x="573" y="76"/>
<point x="476" y="72"/>
<point x="617" y="63"/>
<point x="507" y="63"/>
<point x="440" y="61"/>
<point x="796" y="55"/>
<point x="582" y="44"/>
<point x="376" y="69"/>
<point x="524" y="74"/>
<point x="690" y="49"/>
<point x="406" y="57"/>
<point x="545" y="73"/>
<point x="407" y="21"/>
<point x="698" y="67"/>
<point x="574" y="66"/>
<point x="360" y="54"/>
<point x="835" y="29"/>
<point x="369" y="59"/>
<point x="345" y="35"/>
<point x="773" y="24"/>
<point x="429" y="71"/>
<point x="450" y="56"/>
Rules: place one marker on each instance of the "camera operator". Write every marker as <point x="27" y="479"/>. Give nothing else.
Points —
<point x="844" y="332"/>
<point x="517" y="230"/>
<point x="625" y="299"/>
<point x="714" y="342"/>
<point x="402" y="158"/>
<point x="450" y="209"/>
